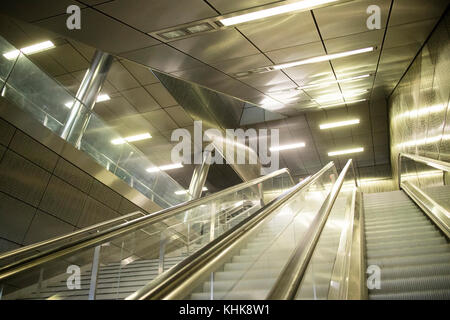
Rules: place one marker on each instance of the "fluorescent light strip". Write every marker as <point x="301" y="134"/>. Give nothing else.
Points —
<point x="288" y="146"/>
<point x="100" y="98"/>
<point x="338" y="124"/>
<point x="338" y="153"/>
<point x="30" y="49"/>
<point x="324" y="84"/>
<point x="342" y="103"/>
<point x="333" y="97"/>
<point x="301" y="5"/>
<point x="186" y="191"/>
<point x="322" y="58"/>
<point x="138" y="137"/>
<point x="166" y="167"/>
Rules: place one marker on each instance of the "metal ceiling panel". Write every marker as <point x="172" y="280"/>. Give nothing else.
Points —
<point x="161" y="95"/>
<point x="163" y="58"/>
<point x="348" y="18"/>
<point x="316" y="71"/>
<point x="227" y="6"/>
<point x="281" y="31"/>
<point x="160" y="120"/>
<point x="242" y="64"/>
<point x="355" y="41"/>
<point x="141" y="99"/>
<point x="93" y="31"/>
<point x="411" y="33"/>
<point x="216" y="46"/>
<point x="180" y="116"/>
<point x="407" y="11"/>
<point x="32" y="10"/>
<point x="143" y="75"/>
<point x="296" y="53"/>
<point x="120" y="78"/>
<point x="265" y="79"/>
<point x="149" y="16"/>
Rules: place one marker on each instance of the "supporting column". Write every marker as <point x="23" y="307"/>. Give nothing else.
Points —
<point x="86" y="96"/>
<point x="199" y="176"/>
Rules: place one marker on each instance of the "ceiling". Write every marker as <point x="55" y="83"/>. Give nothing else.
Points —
<point x="141" y="103"/>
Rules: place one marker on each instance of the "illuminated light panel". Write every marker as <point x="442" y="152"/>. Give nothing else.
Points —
<point x="137" y="137"/>
<point x="301" y="5"/>
<point x="38" y="47"/>
<point x="338" y="124"/>
<point x="333" y="97"/>
<point x="100" y="98"/>
<point x="180" y="192"/>
<point x="342" y="103"/>
<point x="165" y="168"/>
<point x="347" y="151"/>
<point x="322" y="58"/>
<point x="288" y="146"/>
<point x="324" y="84"/>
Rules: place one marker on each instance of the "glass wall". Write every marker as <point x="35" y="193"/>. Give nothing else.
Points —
<point x="47" y="101"/>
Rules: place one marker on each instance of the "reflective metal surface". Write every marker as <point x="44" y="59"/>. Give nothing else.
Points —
<point x="425" y="181"/>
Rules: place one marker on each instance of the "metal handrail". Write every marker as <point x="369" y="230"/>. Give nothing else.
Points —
<point x="179" y="281"/>
<point x="116" y="231"/>
<point x="54" y="240"/>
<point x="438" y="214"/>
<point x="437" y="164"/>
<point x="288" y="282"/>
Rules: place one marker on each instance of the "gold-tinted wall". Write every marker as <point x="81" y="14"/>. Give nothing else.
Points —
<point x="418" y="108"/>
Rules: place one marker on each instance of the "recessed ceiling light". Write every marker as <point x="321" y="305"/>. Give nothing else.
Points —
<point x="186" y="191"/>
<point x="340" y="152"/>
<point x="301" y="5"/>
<point x="165" y="168"/>
<point x="342" y="103"/>
<point x="338" y="124"/>
<point x="322" y="58"/>
<point x="38" y="47"/>
<point x="173" y="34"/>
<point x="100" y="98"/>
<point x="137" y="137"/>
<point x="199" y="28"/>
<point x="288" y="146"/>
<point x="324" y="84"/>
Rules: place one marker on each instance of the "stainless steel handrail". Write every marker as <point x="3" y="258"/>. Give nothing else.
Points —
<point x="288" y="282"/>
<point x="54" y="240"/>
<point x="178" y="281"/>
<point x="437" y="164"/>
<point x="116" y="231"/>
<point x="438" y="214"/>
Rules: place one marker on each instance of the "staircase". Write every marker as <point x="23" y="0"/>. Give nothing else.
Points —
<point x="413" y="255"/>
<point x="114" y="281"/>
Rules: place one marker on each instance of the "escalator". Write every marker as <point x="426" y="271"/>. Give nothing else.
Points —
<point x="321" y="238"/>
<point x="413" y="255"/>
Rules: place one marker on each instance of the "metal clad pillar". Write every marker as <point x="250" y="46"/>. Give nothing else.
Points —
<point x="86" y="97"/>
<point x="199" y="176"/>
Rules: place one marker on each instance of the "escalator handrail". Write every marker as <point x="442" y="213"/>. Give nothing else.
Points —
<point x="288" y="282"/>
<point x="437" y="164"/>
<point x="118" y="230"/>
<point x="437" y="213"/>
<point x="182" y="278"/>
<point x="51" y="241"/>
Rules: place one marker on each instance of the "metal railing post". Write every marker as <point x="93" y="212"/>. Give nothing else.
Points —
<point x="94" y="273"/>
<point x="162" y="252"/>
